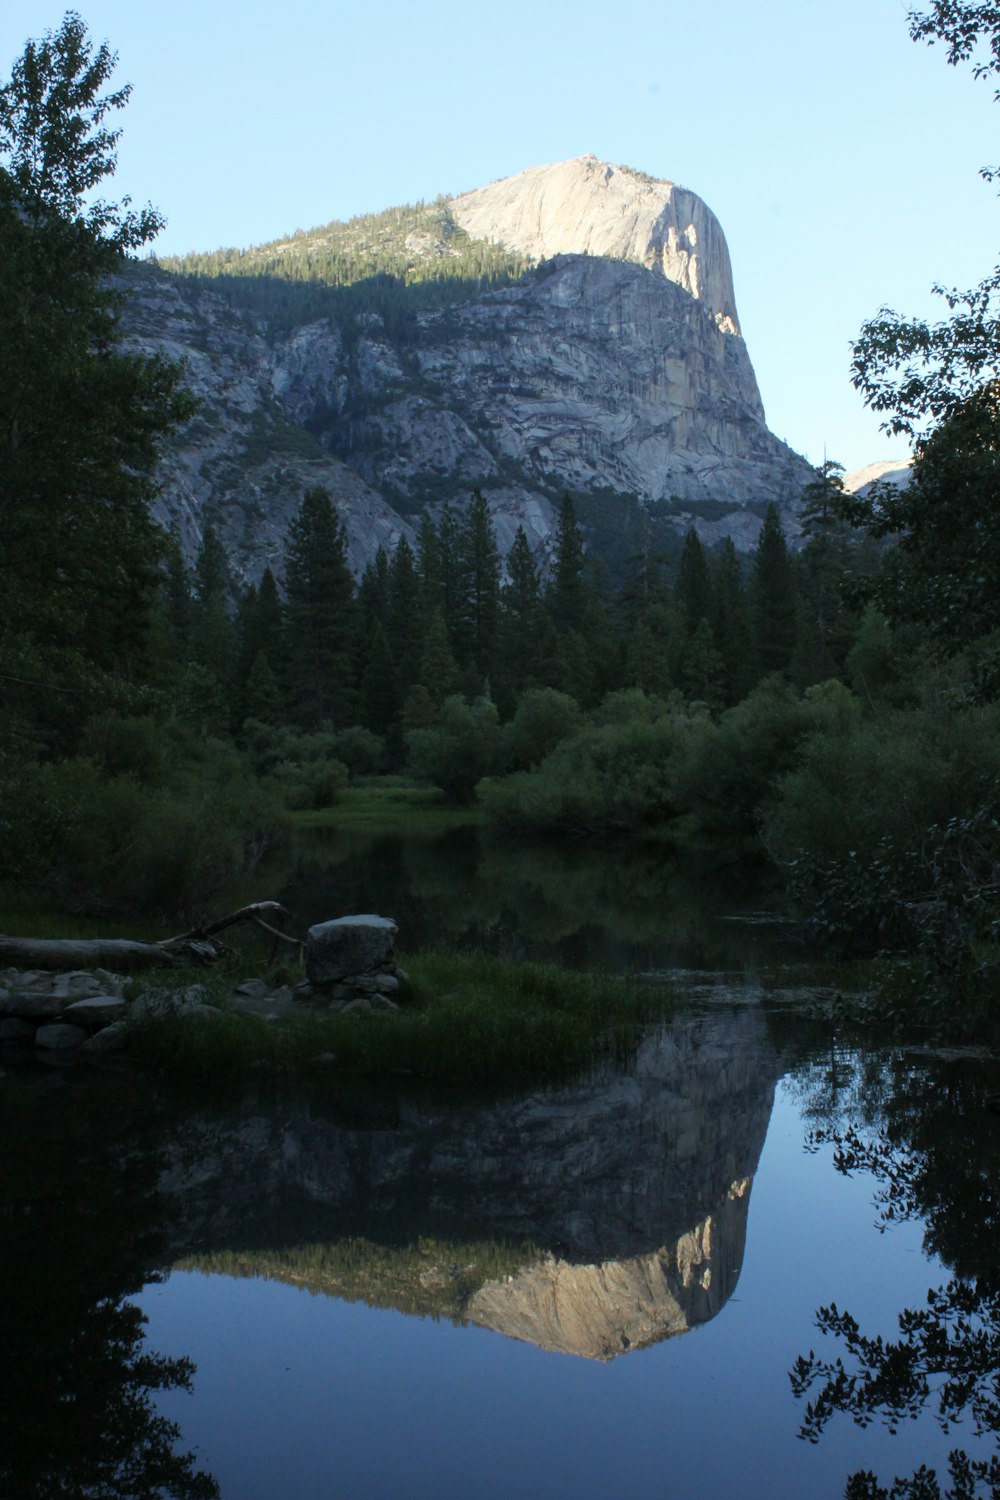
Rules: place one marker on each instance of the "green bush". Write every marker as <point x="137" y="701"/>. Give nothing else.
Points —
<point x="361" y="751"/>
<point x="627" y="705"/>
<point x="888" y="830"/>
<point x="102" y="843"/>
<point x="305" y="768"/>
<point x="457" y="754"/>
<point x="618" y="776"/>
<point x="309" y="786"/>
<point x="724" y="771"/>
<point x="883" y="781"/>
<point x="542" y="719"/>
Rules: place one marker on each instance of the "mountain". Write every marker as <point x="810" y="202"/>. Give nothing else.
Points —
<point x="572" y="327"/>
<point x="896" y="471"/>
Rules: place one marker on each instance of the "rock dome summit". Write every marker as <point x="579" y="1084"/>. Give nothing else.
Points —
<point x="590" y="207"/>
<point x="573" y="327"/>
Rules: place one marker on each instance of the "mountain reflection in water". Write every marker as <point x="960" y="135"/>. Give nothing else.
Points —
<point x="619" y="1202"/>
<point x="591" y="1219"/>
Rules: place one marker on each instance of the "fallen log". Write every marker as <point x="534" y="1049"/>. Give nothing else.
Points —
<point x="125" y="954"/>
<point x="80" y="953"/>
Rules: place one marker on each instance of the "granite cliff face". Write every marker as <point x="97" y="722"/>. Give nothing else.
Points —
<point x="614" y="368"/>
<point x="242" y="463"/>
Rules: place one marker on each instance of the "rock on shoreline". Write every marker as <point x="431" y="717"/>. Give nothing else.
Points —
<point x="350" y="966"/>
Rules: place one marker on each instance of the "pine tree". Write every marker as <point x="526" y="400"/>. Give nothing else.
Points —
<point x="319" y="614"/>
<point x="175" y="594"/>
<point x="438" y="667"/>
<point x="773" y="598"/>
<point x="429" y="569"/>
<point x="827" y="625"/>
<point x="380" y="699"/>
<point x="731" y="623"/>
<point x="259" y="635"/>
<point x="643" y="585"/>
<point x="566" y="596"/>
<point x="404" y="623"/>
<point x="605" y="646"/>
<point x="452" y="593"/>
<point x="262" y="694"/>
<point x="211" y="640"/>
<point x="704" y="673"/>
<point x="693" y="589"/>
<point x="480" y="572"/>
<point x="647" y="661"/>
<point x="419" y="710"/>
<point x="373" y="595"/>
<point x="520" y="612"/>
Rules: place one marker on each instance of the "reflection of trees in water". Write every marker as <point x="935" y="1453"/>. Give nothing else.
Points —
<point x="833" y="1083"/>
<point x="79" y="1216"/>
<point x="470" y="887"/>
<point x="935" y="1160"/>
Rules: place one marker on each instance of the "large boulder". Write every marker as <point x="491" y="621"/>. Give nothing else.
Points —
<point x="348" y="946"/>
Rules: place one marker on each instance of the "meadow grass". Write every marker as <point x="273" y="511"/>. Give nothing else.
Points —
<point x="465" y="1018"/>
<point x="393" y="803"/>
<point x="31" y="914"/>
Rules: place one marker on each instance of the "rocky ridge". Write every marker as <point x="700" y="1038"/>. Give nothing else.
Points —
<point x="614" y="368"/>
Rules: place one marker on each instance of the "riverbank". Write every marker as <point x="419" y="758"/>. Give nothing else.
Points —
<point x="454" y="1018"/>
<point x="391" y="804"/>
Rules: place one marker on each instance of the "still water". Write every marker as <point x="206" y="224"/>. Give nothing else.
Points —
<point x="601" y="1288"/>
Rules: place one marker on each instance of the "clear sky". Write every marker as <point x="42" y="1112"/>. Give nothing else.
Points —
<point x="840" y="157"/>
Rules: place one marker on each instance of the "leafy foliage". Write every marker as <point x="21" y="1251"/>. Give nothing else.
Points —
<point x="929" y="1163"/>
<point x="942" y="574"/>
<point x="914" y="371"/>
<point x="81" y="422"/>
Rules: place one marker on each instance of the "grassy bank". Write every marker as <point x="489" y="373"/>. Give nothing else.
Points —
<point x="392" y="803"/>
<point x="466" y="1019"/>
<point x="36" y="914"/>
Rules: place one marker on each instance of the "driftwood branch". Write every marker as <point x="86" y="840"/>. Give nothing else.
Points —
<point x="198" y="945"/>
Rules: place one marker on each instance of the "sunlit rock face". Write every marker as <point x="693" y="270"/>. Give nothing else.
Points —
<point x="600" y="1311"/>
<point x="629" y="1191"/>
<point x="615" y="368"/>
<point x="897" y="472"/>
<point x="591" y="207"/>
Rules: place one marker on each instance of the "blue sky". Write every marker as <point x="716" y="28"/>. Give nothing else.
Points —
<point x="840" y="157"/>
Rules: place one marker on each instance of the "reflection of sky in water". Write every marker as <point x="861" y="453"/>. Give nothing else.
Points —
<point x="306" y="1397"/>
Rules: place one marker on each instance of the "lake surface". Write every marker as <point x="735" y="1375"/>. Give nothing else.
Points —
<point x="599" y="1288"/>
<point x="620" y="908"/>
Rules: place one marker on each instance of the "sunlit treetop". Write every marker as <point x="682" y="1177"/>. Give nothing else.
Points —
<point x="55" y="147"/>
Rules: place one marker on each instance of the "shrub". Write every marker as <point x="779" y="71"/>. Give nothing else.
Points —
<point x="103" y="843"/>
<point x="627" y="705"/>
<point x="305" y="767"/>
<point x="724" y="771"/>
<point x="361" y="751"/>
<point x="460" y="751"/>
<point x="888" y="830"/>
<point x="543" y="718"/>
<point x="615" y="777"/>
<point x="309" y="786"/>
